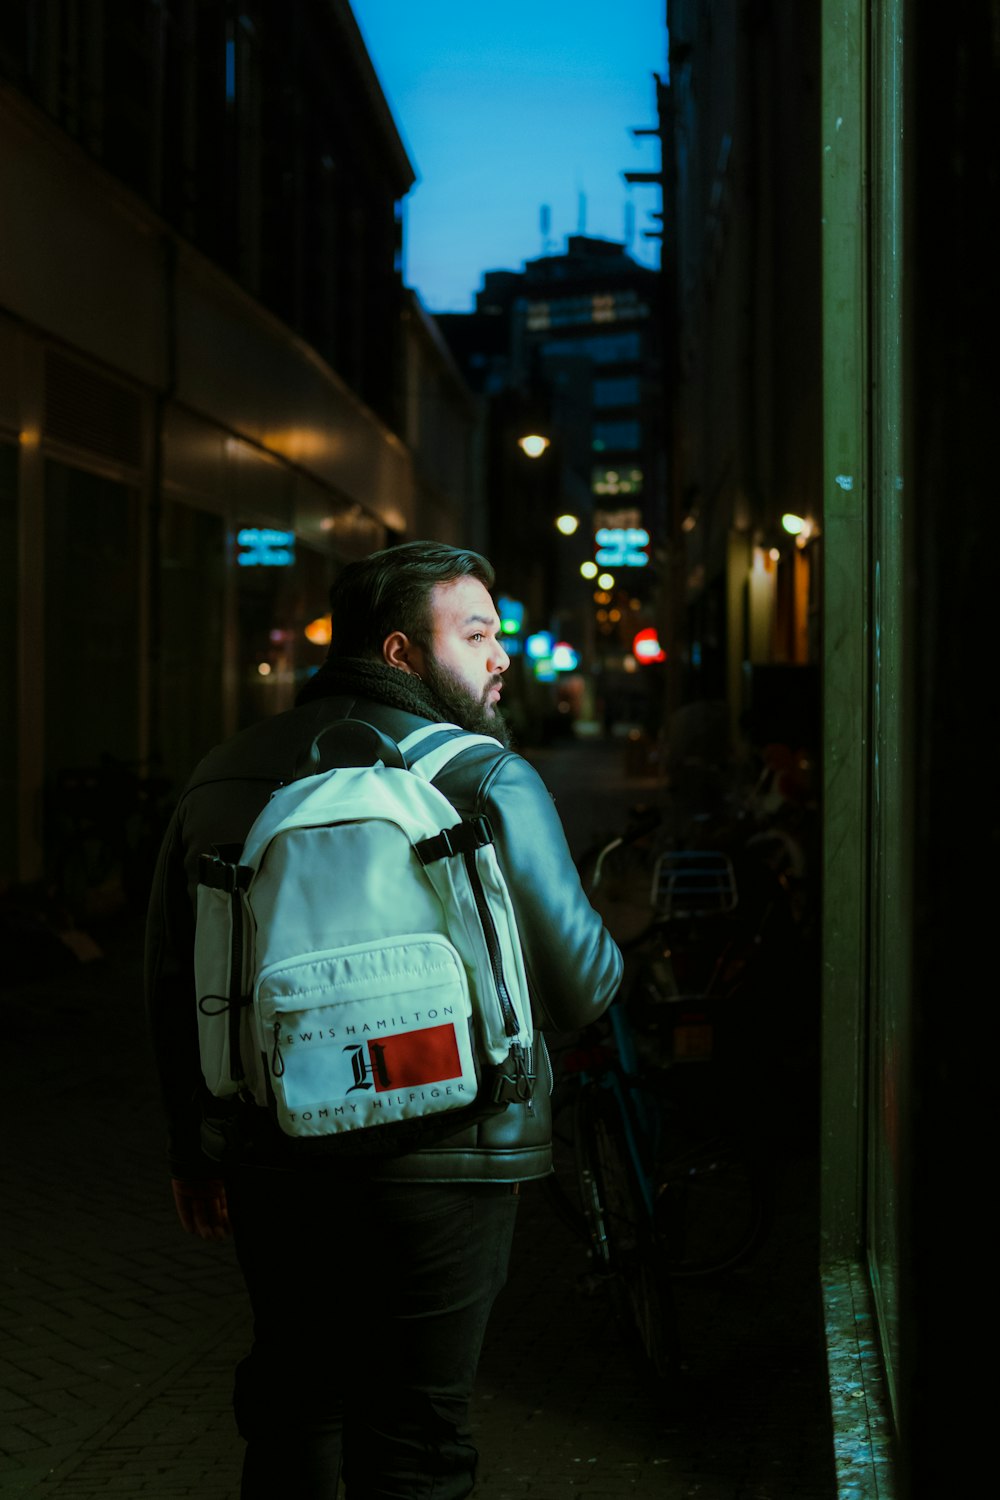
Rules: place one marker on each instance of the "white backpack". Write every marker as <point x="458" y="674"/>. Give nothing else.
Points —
<point x="357" y="965"/>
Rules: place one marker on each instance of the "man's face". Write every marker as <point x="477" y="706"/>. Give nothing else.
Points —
<point x="465" y="661"/>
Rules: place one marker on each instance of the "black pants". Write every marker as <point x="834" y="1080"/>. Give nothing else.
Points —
<point x="370" y="1302"/>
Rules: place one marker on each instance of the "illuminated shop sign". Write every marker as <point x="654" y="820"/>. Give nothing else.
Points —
<point x="646" y="647"/>
<point x="539" y="646"/>
<point x="261" y="547"/>
<point x="549" y="656"/>
<point x="564" y="657"/>
<point x="621" y="547"/>
<point x="511" y="612"/>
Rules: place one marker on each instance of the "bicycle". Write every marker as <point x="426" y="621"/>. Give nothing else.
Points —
<point x="611" y="1129"/>
<point x="617" y="874"/>
<point x="660" y="1189"/>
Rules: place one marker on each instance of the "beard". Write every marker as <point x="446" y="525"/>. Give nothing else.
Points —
<point x="462" y="705"/>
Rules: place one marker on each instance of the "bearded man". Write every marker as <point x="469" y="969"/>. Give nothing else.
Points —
<point x="371" y="1280"/>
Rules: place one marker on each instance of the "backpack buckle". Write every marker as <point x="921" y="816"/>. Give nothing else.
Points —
<point x="223" y="874"/>
<point x="463" y="838"/>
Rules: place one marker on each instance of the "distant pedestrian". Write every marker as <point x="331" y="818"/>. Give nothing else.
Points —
<point x="371" y="1280"/>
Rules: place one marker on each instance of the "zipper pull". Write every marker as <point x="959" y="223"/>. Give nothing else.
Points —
<point x="522" y="1078"/>
<point x="277" y="1061"/>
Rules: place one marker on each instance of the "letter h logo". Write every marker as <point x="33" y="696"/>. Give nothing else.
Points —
<point x="366" y="1062"/>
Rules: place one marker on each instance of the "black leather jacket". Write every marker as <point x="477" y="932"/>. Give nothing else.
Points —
<point x="573" y="966"/>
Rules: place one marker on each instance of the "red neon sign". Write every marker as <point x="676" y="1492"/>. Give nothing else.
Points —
<point x="646" y="647"/>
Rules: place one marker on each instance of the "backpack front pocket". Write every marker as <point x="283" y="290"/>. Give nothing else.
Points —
<point x="367" y="1035"/>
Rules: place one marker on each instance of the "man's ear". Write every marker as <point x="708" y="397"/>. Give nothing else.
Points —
<point x="400" y="652"/>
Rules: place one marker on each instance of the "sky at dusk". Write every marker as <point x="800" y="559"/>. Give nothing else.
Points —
<point x="508" y="105"/>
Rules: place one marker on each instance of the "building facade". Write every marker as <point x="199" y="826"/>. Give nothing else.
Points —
<point x="214" y="388"/>
<point x="740" y="123"/>
<point x="831" y="188"/>
<point x="568" y="350"/>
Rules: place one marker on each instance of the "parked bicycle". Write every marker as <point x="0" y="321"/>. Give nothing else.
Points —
<point x="651" y="1168"/>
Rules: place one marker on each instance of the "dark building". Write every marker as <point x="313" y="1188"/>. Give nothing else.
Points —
<point x="740" y="120"/>
<point x="258" y="133"/>
<point x="831" y="178"/>
<point x="569" y="350"/>
<point x="214" y="387"/>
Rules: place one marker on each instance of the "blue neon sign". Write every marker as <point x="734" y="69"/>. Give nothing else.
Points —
<point x="539" y="646"/>
<point x="621" y="547"/>
<point x="263" y="547"/>
<point x="511" y="612"/>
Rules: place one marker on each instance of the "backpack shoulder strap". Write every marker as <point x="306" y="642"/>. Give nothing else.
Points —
<point x="419" y="741"/>
<point x="427" y="759"/>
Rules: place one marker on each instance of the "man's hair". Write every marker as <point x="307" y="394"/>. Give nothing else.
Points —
<point x="390" y="590"/>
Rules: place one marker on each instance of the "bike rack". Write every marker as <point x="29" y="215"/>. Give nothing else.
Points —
<point x="693" y="883"/>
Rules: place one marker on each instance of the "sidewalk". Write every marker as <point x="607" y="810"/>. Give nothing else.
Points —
<point x="118" y="1334"/>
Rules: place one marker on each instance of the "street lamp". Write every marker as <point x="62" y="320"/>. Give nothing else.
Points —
<point x="567" y="524"/>
<point x="533" y="444"/>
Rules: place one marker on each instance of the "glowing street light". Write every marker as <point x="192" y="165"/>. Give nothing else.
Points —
<point x="588" y="570"/>
<point x="607" y="580"/>
<point x="567" y="524"/>
<point x="533" y="444"/>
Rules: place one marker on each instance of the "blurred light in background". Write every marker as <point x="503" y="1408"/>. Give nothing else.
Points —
<point x="318" y="631"/>
<point x="646" y="647"/>
<point x="539" y="646"/>
<point x="564" y="658"/>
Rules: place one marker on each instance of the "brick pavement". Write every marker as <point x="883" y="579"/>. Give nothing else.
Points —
<point x="118" y="1334"/>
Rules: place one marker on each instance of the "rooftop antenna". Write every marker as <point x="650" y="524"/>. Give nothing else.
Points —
<point x="545" y="224"/>
<point x="581" y="213"/>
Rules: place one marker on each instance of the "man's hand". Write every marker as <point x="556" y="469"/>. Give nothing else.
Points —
<point x="201" y="1207"/>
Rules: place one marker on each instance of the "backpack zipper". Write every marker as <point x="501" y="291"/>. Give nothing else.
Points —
<point x="509" y="1014"/>
<point x="522" y="1080"/>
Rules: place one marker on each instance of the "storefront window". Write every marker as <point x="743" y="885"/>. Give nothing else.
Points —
<point x="278" y="604"/>
<point x="192" y="624"/>
<point x="91" y="619"/>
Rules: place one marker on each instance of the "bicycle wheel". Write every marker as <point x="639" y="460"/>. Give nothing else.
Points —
<point x="622" y="1245"/>
<point x="709" y="1211"/>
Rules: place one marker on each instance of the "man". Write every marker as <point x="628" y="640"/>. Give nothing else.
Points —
<point x="371" y="1283"/>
